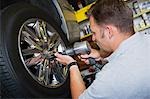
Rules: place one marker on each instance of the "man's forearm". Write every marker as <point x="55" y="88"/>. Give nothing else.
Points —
<point x="76" y="82"/>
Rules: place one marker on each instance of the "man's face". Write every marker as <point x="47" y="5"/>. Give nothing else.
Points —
<point x="100" y="35"/>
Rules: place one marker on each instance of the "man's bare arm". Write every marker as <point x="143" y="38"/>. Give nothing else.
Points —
<point x="76" y="82"/>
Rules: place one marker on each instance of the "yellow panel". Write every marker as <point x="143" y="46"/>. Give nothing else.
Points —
<point x="80" y="14"/>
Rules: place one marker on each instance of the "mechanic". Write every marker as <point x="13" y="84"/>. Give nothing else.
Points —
<point x="127" y="75"/>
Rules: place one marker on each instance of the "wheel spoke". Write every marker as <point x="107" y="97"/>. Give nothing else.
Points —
<point x="37" y="29"/>
<point x="57" y="71"/>
<point x="40" y="30"/>
<point x="31" y="33"/>
<point x="40" y="72"/>
<point x="44" y="31"/>
<point x="33" y="61"/>
<point x="55" y="38"/>
<point x="30" y="41"/>
<point x="58" y="74"/>
<point x="46" y="76"/>
<point x="51" y="38"/>
<point x="30" y="51"/>
<point x="57" y="43"/>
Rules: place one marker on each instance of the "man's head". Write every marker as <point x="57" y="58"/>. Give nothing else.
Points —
<point x="111" y="22"/>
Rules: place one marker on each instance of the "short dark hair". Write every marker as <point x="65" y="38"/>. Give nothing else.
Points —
<point x="115" y="12"/>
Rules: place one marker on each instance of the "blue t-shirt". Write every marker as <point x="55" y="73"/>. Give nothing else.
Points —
<point x="127" y="75"/>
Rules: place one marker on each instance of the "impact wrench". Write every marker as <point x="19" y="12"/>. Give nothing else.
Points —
<point x="80" y="48"/>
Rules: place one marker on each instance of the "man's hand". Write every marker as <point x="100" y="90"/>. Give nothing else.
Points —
<point x="64" y="59"/>
<point x="94" y="54"/>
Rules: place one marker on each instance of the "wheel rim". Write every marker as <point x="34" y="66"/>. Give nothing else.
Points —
<point x="37" y="42"/>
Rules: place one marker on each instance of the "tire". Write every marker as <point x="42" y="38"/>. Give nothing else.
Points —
<point x="19" y="78"/>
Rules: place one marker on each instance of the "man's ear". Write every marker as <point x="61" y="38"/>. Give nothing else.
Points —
<point x="110" y="32"/>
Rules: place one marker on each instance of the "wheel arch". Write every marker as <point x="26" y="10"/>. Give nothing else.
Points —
<point x="58" y="9"/>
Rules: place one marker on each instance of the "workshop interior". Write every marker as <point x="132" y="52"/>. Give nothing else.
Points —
<point x="32" y="31"/>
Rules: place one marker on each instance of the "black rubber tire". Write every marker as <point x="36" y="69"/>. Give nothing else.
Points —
<point x="15" y="80"/>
